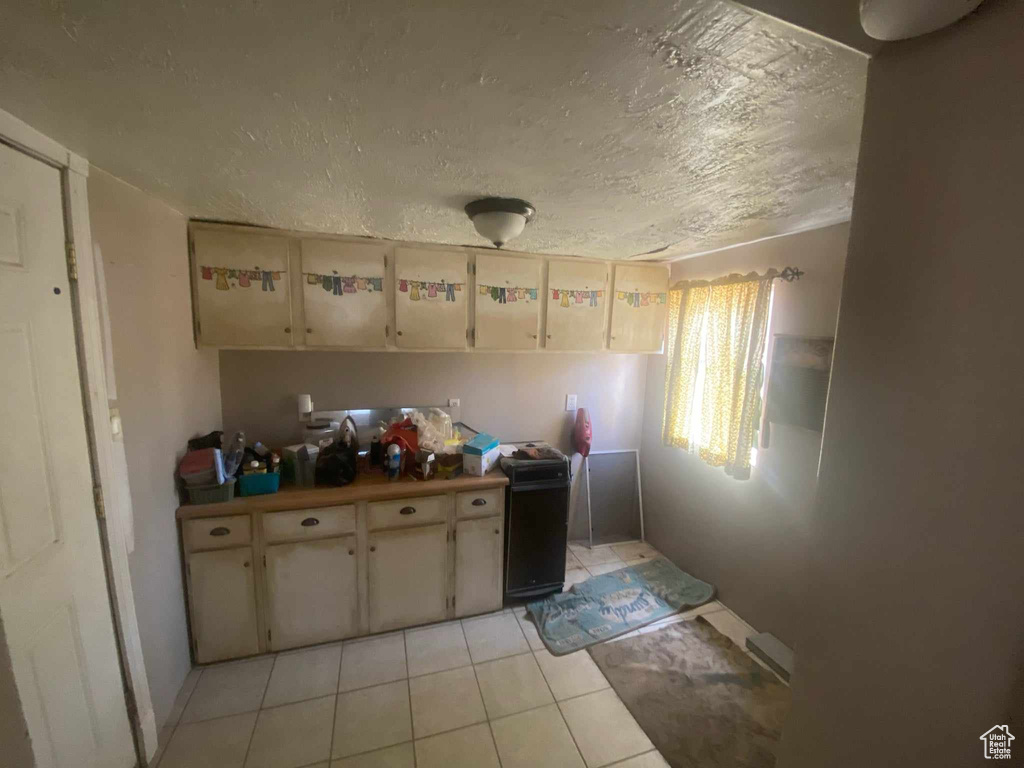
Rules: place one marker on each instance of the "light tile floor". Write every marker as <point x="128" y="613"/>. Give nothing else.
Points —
<point x="480" y="692"/>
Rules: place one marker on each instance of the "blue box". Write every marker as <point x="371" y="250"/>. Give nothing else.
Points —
<point x="480" y="444"/>
<point x="255" y="485"/>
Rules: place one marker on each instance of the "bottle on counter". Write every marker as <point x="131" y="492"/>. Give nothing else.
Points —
<point x="394" y="465"/>
<point x="376" y="451"/>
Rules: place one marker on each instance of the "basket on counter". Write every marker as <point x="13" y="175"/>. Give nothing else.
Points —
<point x="211" y="494"/>
<point x="256" y="484"/>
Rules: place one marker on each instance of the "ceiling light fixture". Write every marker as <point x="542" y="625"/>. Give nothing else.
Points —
<point x="500" y="219"/>
<point x="900" y="19"/>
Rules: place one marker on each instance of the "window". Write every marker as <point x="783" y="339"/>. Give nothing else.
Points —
<point x="716" y="349"/>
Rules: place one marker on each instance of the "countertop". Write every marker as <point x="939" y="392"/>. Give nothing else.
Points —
<point x="366" y="487"/>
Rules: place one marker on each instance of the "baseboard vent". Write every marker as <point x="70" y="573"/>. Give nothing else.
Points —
<point x="769" y="649"/>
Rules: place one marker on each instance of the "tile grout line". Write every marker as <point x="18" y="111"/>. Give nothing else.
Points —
<point x="559" y="708"/>
<point x="177" y="723"/>
<point x="263" y="698"/>
<point x="337" y="697"/>
<point x="408" y="691"/>
<point x="481" y="692"/>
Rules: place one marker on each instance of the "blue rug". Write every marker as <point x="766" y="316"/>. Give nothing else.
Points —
<point x="606" y="606"/>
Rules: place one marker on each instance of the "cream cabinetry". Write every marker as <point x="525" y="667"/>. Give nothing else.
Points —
<point x="639" y="308"/>
<point x="241" y="288"/>
<point x="431" y="289"/>
<point x="301" y="567"/>
<point x="507" y="302"/>
<point x="577" y="299"/>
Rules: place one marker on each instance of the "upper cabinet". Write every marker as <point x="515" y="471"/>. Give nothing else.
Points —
<point x="430" y="299"/>
<point x="343" y="294"/>
<point x="577" y="297"/>
<point x="639" y="304"/>
<point x="507" y="305"/>
<point x="241" y="282"/>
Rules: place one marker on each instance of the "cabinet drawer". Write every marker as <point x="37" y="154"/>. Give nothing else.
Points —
<point x="302" y="524"/>
<point x="480" y="503"/>
<point x="405" y="512"/>
<point x="217" y="532"/>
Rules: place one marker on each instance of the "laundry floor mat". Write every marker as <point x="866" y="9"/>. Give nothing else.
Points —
<point x="606" y="606"/>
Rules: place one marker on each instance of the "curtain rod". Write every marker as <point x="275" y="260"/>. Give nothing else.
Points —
<point x="789" y="274"/>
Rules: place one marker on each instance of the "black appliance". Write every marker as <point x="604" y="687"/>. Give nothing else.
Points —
<point x="536" y="521"/>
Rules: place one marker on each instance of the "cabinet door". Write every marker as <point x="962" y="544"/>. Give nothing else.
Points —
<point x="577" y="297"/>
<point x="343" y="294"/>
<point x="507" y="302"/>
<point x="478" y="546"/>
<point x="223" y="597"/>
<point x="311" y="592"/>
<point x="407" y="571"/>
<point x="430" y="299"/>
<point x="639" y="304"/>
<point x="242" y="288"/>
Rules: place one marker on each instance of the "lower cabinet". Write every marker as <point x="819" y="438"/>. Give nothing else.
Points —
<point x="223" y="595"/>
<point x="478" y="560"/>
<point x="407" y="571"/>
<point x="312" y="592"/>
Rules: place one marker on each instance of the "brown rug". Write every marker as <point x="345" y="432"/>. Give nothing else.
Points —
<point x="697" y="696"/>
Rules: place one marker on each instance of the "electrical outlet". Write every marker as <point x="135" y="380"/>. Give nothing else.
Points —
<point x="570" y="402"/>
<point x="454" y="402"/>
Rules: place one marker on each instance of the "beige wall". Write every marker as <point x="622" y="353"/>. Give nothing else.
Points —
<point x="914" y="639"/>
<point x="747" y="537"/>
<point x="512" y="396"/>
<point x="167" y="392"/>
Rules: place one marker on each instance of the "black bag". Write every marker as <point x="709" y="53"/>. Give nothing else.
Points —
<point x="337" y="463"/>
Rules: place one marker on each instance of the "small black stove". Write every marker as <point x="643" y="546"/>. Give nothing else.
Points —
<point x="536" y="520"/>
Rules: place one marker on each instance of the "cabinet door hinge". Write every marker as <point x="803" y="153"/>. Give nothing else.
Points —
<point x="72" y="258"/>
<point x="387" y="330"/>
<point x="97" y="495"/>
<point x="268" y="635"/>
<point x="385" y="261"/>
<point x="455" y="535"/>
<point x="264" y="561"/>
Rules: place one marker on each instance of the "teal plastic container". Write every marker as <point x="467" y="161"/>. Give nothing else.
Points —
<point x="256" y="485"/>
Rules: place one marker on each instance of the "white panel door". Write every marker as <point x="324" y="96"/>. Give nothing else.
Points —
<point x="408" y="576"/>
<point x="243" y="296"/>
<point x="507" y="302"/>
<point x="53" y="592"/>
<point x="311" y="592"/>
<point x="478" y="545"/>
<point x="577" y="297"/>
<point x="223" y="591"/>
<point x="431" y="290"/>
<point x="639" y="305"/>
<point x="343" y="294"/>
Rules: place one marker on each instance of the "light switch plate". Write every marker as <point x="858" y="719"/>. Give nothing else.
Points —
<point x="570" y="402"/>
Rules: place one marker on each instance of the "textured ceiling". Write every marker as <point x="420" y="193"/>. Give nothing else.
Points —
<point x="633" y="127"/>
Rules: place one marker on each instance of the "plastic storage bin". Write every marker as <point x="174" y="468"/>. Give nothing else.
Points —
<point x="254" y="485"/>
<point x="211" y="494"/>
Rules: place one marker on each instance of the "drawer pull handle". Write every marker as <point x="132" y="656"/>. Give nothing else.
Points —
<point x="407" y="511"/>
<point x="220" y="530"/>
<point x="309" y="522"/>
<point x="373" y="549"/>
<point x="479" y="502"/>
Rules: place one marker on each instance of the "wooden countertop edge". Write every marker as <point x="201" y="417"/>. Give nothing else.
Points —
<point x="311" y="498"/>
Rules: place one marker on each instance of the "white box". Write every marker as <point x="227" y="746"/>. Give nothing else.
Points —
<point x="480" y="465"/>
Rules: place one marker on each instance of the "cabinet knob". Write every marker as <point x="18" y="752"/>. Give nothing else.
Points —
<point x="309" y="330"/>
<point x="398" y="332"/>
<point x="373" y="549"/>
<point x="549" y="335"/>
<point x="407" y="511"/>
<point x="533" y="335"/>
<point x="288" y="329"/>
<point x="351" y="551"/>
<point x="245" y="564"/>
<point x="479" y="502"/>
<point x="496" y="531"/>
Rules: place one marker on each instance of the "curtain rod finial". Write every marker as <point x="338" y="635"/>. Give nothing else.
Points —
<point x="789" y="274"/>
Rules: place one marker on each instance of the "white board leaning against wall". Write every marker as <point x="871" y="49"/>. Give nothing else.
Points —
<point x="507" y="302"/>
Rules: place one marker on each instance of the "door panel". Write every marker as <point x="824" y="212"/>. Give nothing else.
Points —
<point x="408" y="576"/>
<point x="311" y="592"/>
<point x="639" y="307"/>
<point x="243" y="295"/>
<point x="478" y="545"/>
<point x="507" y="302"/>
<point x="343" y="294"/>
<point x="223" y="592"/>
<point x="430" y="299"/>
<point x="577" y="296"/>
<point x="53" y="592"/>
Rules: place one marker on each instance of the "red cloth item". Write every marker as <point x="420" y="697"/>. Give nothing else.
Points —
<point x="581" y="432"/>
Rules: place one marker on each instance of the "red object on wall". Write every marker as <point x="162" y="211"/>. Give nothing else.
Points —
<point x="581" y="433"/>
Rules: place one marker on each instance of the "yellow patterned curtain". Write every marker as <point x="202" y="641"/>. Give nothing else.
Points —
<point x="715" y="350"/>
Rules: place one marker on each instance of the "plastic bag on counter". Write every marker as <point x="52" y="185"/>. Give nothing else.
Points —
<point x="433" y="431"/>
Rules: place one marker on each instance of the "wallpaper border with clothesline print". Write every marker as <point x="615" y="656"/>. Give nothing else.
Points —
<point x="638" y="299"/>
<point x="338" y="285"/>
<point x="232" y="277"/>
<point x="506" y="294"/>
<point x="440" y="289"/>
<point x="569" y="297"/>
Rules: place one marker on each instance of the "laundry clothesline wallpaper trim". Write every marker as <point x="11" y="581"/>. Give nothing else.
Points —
<point x="229" y="277"/>
<point x="339" y="285"/>
<point x="570" y="297"/>
<point x="637" y="299"/>
<point x="431" y="290"/>
<point x="505" y="294"/>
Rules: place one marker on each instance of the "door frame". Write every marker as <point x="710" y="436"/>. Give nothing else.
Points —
<point x="110" y="492"/>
